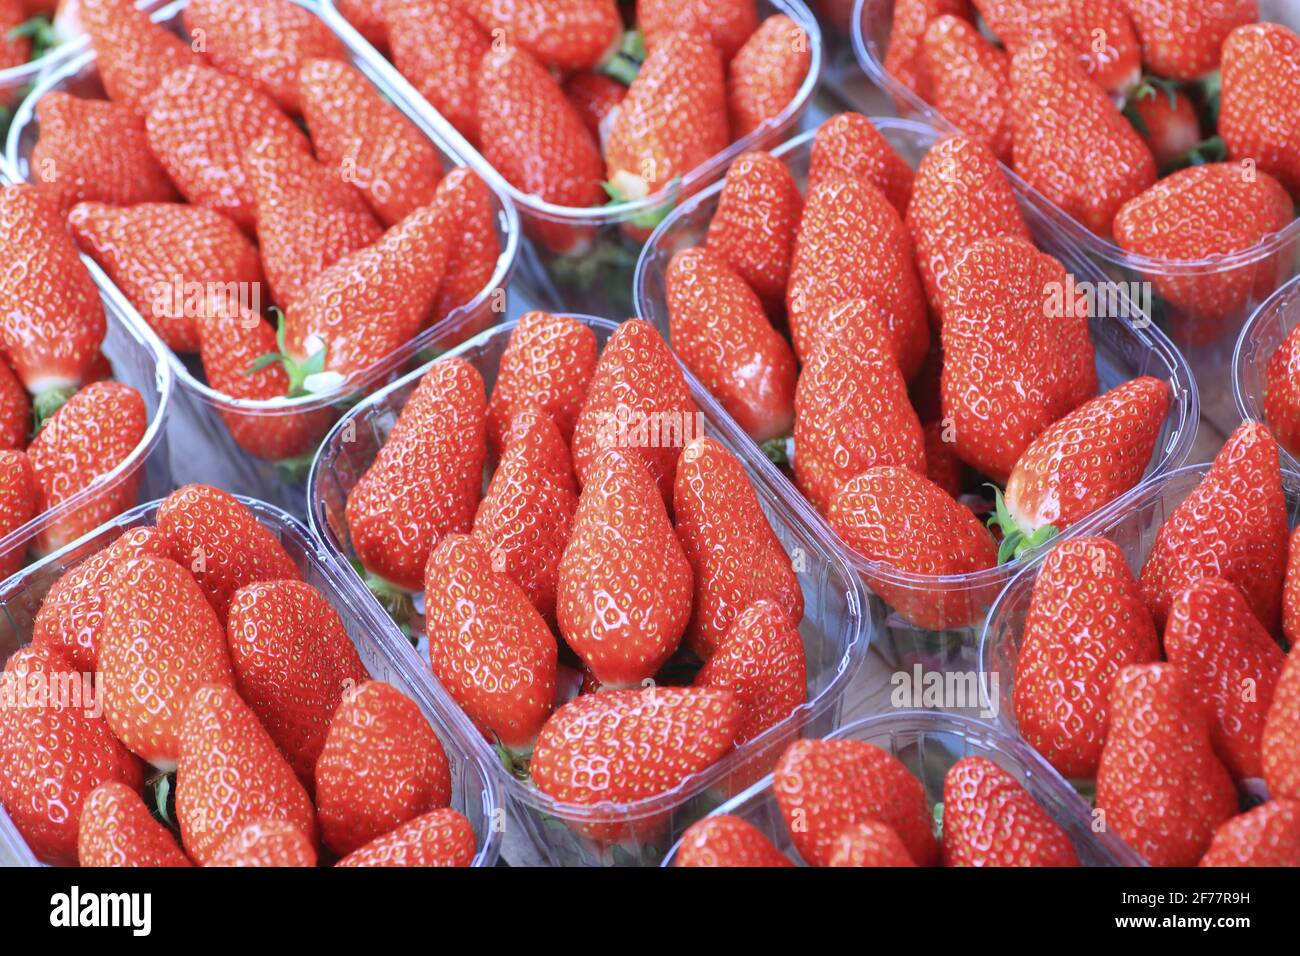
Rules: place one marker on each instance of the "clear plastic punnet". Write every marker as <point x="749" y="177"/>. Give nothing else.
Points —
<point x="1260" y="338"/>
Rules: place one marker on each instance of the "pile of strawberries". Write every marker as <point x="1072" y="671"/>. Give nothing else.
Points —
<point x="186" y="697"/>
<point x="1173" y="690"/>
<point x="923" y="350"/>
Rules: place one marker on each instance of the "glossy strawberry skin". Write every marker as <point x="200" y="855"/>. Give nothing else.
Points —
<point x="14" y="51"/>
<point x="464" y="201"/>
<point x="1282" y="395"/>
<point x="18" y="505"/>
<point x="942" y="466"/>
<point x="1291" y="591"/>
<point x="438" y="838"/>
<point x="869" y="843"/>
<point x="595" y="96"/>
<point x="116" y="829"/>
<point x="133" y="55"/>
<point x="265" y="843"/>
<point x="369" y="17"/>
<point x="15" y="411"/>
<point x="767" y="74"/>
<point x="907" y="34"/>
<point x="1172" y="125"/>
<point x="564" y="34"/>
<point x="438" y="47"/>
<point x="726" y="24"/>
<point x="848" y="144"/>
<point x="1182" y="39"/>
<point x="970" y="82"/>
<point x="990" y="819"/>
<point x="1281" y="744"/>
<point x="1268" y="835"/>
<point x="1258" y="113"/>
<point x="727" y="841"/>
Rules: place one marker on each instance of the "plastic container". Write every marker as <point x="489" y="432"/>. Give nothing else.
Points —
<point x="1123" y="351"/>
<point x="474" y="791"/>
<point x="202" y="446"/>
<point x="596" y="277"/>
<point x="1262" y="335"/>
<point x="1173" y="288"/>
<point x="928" y="742"/>
<point x="835" y="628"/>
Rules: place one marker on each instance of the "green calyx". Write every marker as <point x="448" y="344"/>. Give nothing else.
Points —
<point x="1212" y="150"/>
<point x="160" y="793"/>
<point x="47" y="403"/>
<point x="42" y="34"/>
<point x="1015" y="542"/>
<point x="297" y="371"/>
<point x="649" y="219"/>
<point x="777" y="450"/>
<point x="515" y="764"/>
<point x="397" y="601"/>
<point x="624" y="64"/>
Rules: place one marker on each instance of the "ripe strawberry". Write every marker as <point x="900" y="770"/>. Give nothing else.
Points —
<point x="15" y="50"/>
<point x="200" y="122"/>
<point x="54" y="751"/>
<point x="438" y="838"/>
<point x="1220" y="209"/>
<point x="1268" y="835"/>
<point x="563" y="34"/>
<point x="426" y="480"/>
<point x="1233" y="526"/>
<point x="231" y="774"/>
<point x="1281" y="398"/>
<point x="133" y="55"/>
<point x="823" y="786"/>
<point x="438" y="47"/>
<point x="51" y="317"/>
<point x="265" y="843"/>
<point x="1291" y="591"/>
<point x="1181" y="39"/>
<point x="970" y="82"/>
<point x="381" y="766"/>
<point x="1281" y="744"/>
<point x="907" y="34"/>
<point x="625" y="585"/>
<point x="901" y="519"/>
<point x="638" y="401"/>
<point x="1070" y="142"/>
<point x="727" y="24"/>
<point x="868" y="843"/>
<point x="15" y="411"/>
<point x="719" y="329"/>
<point x="1159" y="784"/>
<point x="308" y="217"/>
<point x="1086" y="623"/>
<point x="942" y="466"/>
<point x="18" y="497"/>
<point x="990" y="819"/>
<point x="1167" y="121"/>
<point x="673" y="119"/>
<point x="116" y="829"/>
<point x="464" y="201"/>
<point x="848" y="144"/>
<point x="754" y="228"/>
<point x="724" y="840"/>
<point x="158" y="253"/>
<point x="766" y="74"/>
<point x="1258" y="115"/>
<point x="369" y="17"/>
<point x="596" y="97"/>
<point x="263" y="41"/>
<point x="94" y="432"/>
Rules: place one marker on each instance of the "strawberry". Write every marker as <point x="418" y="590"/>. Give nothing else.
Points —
<point x="308" y="217"/>
<point x="1291" y="591"/>
<point x="438" y="838"/>
<point x="54" y="751"/>
<point x="426" y="480"/>
<point x="265" y="843"/>
<point x="438" y="47"/>
<point x="1181" y="39"/>
<point x="15" y="411"/>
<point x="848" y="144"/>
<point x="990" y="819"/>
<point x="158" y="253"/>
<point x="563" y="34"/>
<point x="292" y="660"/>
<point x="638" y="401"/>
<point x="724" y="840"/>
<point x="868" y="843"/>
<point x="200" y="122"/>
<point x="942" y="466"/>
<point x="1281" y="399"/>
<point x="907" y="523"/>
<point x="116" y="829"/>
<point x="673" y="119"/>
<point x="72" y="615"/>
<point x="367" y="139"/>
<point x="1233" y="526"/>
<point x="624" y="595"/>
<point x="1281" y="743"/>
<point x="754" y="227"/>
<point x="90" y="436"/>
<point x="719" y="329"/>
<point x="596" y="97"/>
<point x="1258" y="113"/>
<point x="767" y="74"/>
<point x="970" y="82"/>
<point x="1086" y="623"/>
<point x="823" y="786"/>
<point x="727" y="24"/>
<point x="94" y="150"/>
<point x="51" y="317"/>
<point x="464" y="201"/>
<point x="1159" y="784"/>
<point x="1070" y="142"/>
<point x="15" y="50"/>
<point x="1167" y="120"/>
<point x="263" y="41"/>
<point x="1268" y="835"/>
<point x="907" y="34"/>
<point x="735" y="557"/>
<point x="231" y="774"/>
<point x="369" y="17"/>
<point x="381" y="766"/>
<point x="1214" y="210"/>
<point x="133" y="55"/>
<point x="18" y="497"/>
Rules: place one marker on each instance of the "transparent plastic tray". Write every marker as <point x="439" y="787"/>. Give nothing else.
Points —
<point x="1261" y="336"/>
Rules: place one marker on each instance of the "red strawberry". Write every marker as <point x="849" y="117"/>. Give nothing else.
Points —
<point x="1071" y="143"/>
<point x="1258" y="117"/>
<point x="15" y="411"/>
<point x="1159" y="784"/>
<point x="624" y="595"/>
<point x="1181" y="39"/>
<point x="15" y="50"/>
<point x="368" y="140"/>
<point x="369" y="17"/>
<point x="906" y="36"/>
<point x="464" y="201"/>
<point x="1281" y="744"/>
<point x="868" y="843"/>
<point x="596" y="97"/>
<point x="426" y="480"/>
<point x="718" y="328"/>
<point x="264" y="41"/>
<point x="754" y="228"/>
<point x="848" y="144"/>
<point x="51" y="317"/>
<point x="727" y="24"/>
<point x="231" y="774"/>
<point x="200" y="122"/>
<point x="488" y="646"/>
<point x="901" y="519"/>
<point x="438" y="47"/>
<point x="54" y="752"/>
<point x="1086" y="623"/>
<point x="1268" y="835"/>
<point x="1233" y="526"/>
<point x="265" y="843"/>
<point x="990" y="819"/>
<point x="1167" y="121"/>
<point x="161" y="254"/>
<point x="724" y="840"/>
<point x="673" y="119"/>
<point x="1291" y="591"/>
<point x="563" y="34"/>
<point x="116" y="829"/>
<point x="381" y="766"/>
<point x="18" y="505"/>
<point x="133" y="55"/>
<point x="942" y="466"/>
<point x="970" y="82"/>
<point x="438" y="838"/>
<point x="823" y="786"/>
<point x="767" y="74"/>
